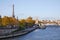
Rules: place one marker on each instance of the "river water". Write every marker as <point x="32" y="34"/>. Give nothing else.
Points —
<point x="52" y="32"/>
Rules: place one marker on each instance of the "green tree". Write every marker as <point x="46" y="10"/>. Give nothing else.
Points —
<point x="22" y="24"/>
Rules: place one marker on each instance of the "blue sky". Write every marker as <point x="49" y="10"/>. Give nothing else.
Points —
<point x="43" y="9"/>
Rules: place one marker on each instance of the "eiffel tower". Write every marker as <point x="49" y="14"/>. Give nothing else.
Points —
<point x="13" y="15"/>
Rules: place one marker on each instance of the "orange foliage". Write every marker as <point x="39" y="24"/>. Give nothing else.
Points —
<point x="9" y="21"/>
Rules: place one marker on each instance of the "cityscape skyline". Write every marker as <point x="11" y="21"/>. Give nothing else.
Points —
<point x="27" y="8"/>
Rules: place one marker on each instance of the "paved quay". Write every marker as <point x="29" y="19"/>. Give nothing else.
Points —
<point x="19" y="33"/>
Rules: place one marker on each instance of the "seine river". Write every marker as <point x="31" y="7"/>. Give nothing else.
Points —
<point x="52" y="32"/>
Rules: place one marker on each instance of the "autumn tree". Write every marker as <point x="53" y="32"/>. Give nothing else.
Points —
<point x="0" y="22"/>
<point x="13" y="21"/>
<point x="5" y="21"/>
<point x="9" y="21"/>
<point x="30" y="21"/>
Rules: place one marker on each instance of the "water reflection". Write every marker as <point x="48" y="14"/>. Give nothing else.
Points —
<point x="50" y="33"/>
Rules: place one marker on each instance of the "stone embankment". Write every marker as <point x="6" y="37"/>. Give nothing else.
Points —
<point x="19" y="33"/>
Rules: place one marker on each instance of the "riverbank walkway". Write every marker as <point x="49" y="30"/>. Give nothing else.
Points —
<point x="19" y="33"/>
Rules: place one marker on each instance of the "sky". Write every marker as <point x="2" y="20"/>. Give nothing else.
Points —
<point x="41" y="9"/>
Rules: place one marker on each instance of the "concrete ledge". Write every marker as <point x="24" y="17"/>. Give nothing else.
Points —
<point x="18" y="34"/>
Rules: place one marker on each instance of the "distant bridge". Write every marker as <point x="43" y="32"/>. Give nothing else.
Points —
<point x="48" y="23"/>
